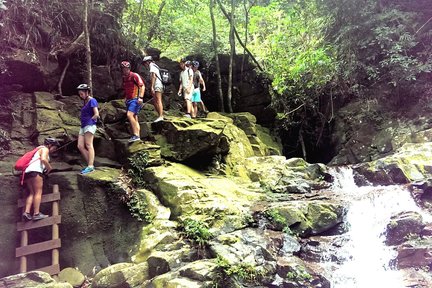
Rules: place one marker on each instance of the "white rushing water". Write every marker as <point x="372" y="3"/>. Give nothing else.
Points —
<point x="366" y="257"/>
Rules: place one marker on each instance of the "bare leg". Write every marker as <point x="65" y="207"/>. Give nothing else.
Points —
<point x="88" y="140"/>
<point x="82" y="147"/>
<point x="203" y="106"/>
<point x="133" y="120"/>
<point x="194" y="109"/>
<point x="188" y="106"/>
<point x="37" y="183"/>
<point x="157" y="101"/>
<point x="29" y="199"/>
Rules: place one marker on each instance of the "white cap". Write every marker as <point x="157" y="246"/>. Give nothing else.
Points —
<point x="147" y="58"/>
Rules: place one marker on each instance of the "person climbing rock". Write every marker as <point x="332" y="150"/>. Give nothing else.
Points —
<point x="89" y="116"/>
<point x="134" y="88"/>
<point x="156" y="86"/>
<point x="33" y="179"/>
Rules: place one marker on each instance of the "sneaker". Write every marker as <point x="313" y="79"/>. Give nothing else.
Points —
<point x="26" y="216"/>
<point x="39" y="216"/>
<point x="187" y="116"/>
<point x="87" y="170"/>
<point x="134" y="138"/>
<point x="158" y="119"/>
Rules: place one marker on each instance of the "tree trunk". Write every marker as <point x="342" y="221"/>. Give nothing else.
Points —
<point x="238" y="37"/>
<point x="215" y="49"/>
<point x="231" y="59"/>
<point x="138" y="16"/>
<point x="60" y="90"/>
<point x="87" y="43"/>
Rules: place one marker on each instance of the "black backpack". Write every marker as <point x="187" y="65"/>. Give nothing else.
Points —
<point x="166" y="78"/>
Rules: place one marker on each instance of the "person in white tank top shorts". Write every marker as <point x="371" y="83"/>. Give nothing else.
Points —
<point x="33" y="178"/>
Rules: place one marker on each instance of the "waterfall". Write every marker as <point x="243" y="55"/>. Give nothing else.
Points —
<point x="364" y="258"/>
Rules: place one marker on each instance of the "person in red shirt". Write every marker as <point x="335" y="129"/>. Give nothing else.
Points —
<point x="134" y="88"/>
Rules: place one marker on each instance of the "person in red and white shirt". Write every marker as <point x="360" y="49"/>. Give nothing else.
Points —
<point x="134" y="88"/>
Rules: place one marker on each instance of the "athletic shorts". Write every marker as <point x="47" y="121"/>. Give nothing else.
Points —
<point x="196" y="95"/>
<point x="89" y="128"/>
<point x="32" y="174"/>
<point x="133" y="106"/>
<point x="187" y="96"/>
<point x="158" y="88"/>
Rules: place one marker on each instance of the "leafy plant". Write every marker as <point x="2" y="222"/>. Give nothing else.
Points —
<point x="138" y="162"/>
<point x="242" y="271"/>
<point x="139" y="208"/>
<point x="279" y="221"/>
<point x="196" y="231"/>
<point x="299" y="274"/>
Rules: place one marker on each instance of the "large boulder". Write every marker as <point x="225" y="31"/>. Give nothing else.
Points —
<point x="305" y="218"/>
<point x="32" y="279"/>
<point x="410" y="164"/>
<point x="402" y="226"/>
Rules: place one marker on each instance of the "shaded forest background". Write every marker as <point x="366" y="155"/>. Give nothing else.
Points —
<point x="317" y="55"/>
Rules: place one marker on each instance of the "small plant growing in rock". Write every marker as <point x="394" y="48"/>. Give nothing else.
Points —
<point x="299" y="274"/>
<point x="279" y="221"/>
<point x="196" y="231"/>
<point x="138" y="162"/>
<point x="139" y="208"/>
<point x="242" y="271"/>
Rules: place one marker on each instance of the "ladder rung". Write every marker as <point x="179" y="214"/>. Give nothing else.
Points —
<point x="21" y="226"/>
<point x="37" y="247"/>
<point x="52" y="270"/>
<point x="45" y="198"/>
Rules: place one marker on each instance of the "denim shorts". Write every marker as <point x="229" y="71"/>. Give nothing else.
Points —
<point x="133" y="106"/>
<point x="89" y="128"/>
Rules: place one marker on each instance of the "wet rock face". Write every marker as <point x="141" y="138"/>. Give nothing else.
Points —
<point x="403" y="226"/>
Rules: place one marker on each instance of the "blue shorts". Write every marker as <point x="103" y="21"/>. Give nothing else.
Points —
<point x="133" y="106"/>
<point x="196" y="96"/>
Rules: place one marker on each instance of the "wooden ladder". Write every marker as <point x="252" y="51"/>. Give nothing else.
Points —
<point x="54" y="244"/>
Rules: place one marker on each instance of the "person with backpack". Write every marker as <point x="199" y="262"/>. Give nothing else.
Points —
<point x="134" y="88"/>
<point x="33" y="178"/>
<point x="156" y="86"/>
<point x="186" y="84"/>
<point x="89" y="116"/>
<point x="196" y="96"/>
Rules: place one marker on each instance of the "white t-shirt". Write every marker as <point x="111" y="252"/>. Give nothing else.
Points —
<point x="186" y="77"/>
<point x="155" y="69"/>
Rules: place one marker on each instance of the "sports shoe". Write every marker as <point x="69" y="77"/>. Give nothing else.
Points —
<point x="87" y="170"/>
<point x="134" y="138"/>
<point x="26" y="216"/>
<point x="39" y="216"/>
<point x="158" y="119"/>
<point x="187" y="116"/>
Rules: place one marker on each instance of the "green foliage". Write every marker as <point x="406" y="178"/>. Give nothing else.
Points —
<point x="299" y="274"/>
<point x="279" y="221"/>
<point x="242" y="271"/>
<point x="138" y="207"/>
<point x="138" y="163"/>
<point x="196" y="231"/>
<point x="378" y="46"/>
<point x="39" y="24"/>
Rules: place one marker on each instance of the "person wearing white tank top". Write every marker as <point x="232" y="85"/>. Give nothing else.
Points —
<point x="33" y="178"/>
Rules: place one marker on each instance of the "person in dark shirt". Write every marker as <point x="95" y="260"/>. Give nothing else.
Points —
<point x="89" y="116"/>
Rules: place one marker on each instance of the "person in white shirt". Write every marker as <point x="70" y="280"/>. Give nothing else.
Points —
<point x="186" y="85"/>
<point x="156" y="86"/>
<point x="33" y="178"/>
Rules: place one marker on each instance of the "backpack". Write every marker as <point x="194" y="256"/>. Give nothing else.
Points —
<point x="22" y="163"/>
<point x="166" y="78"/>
